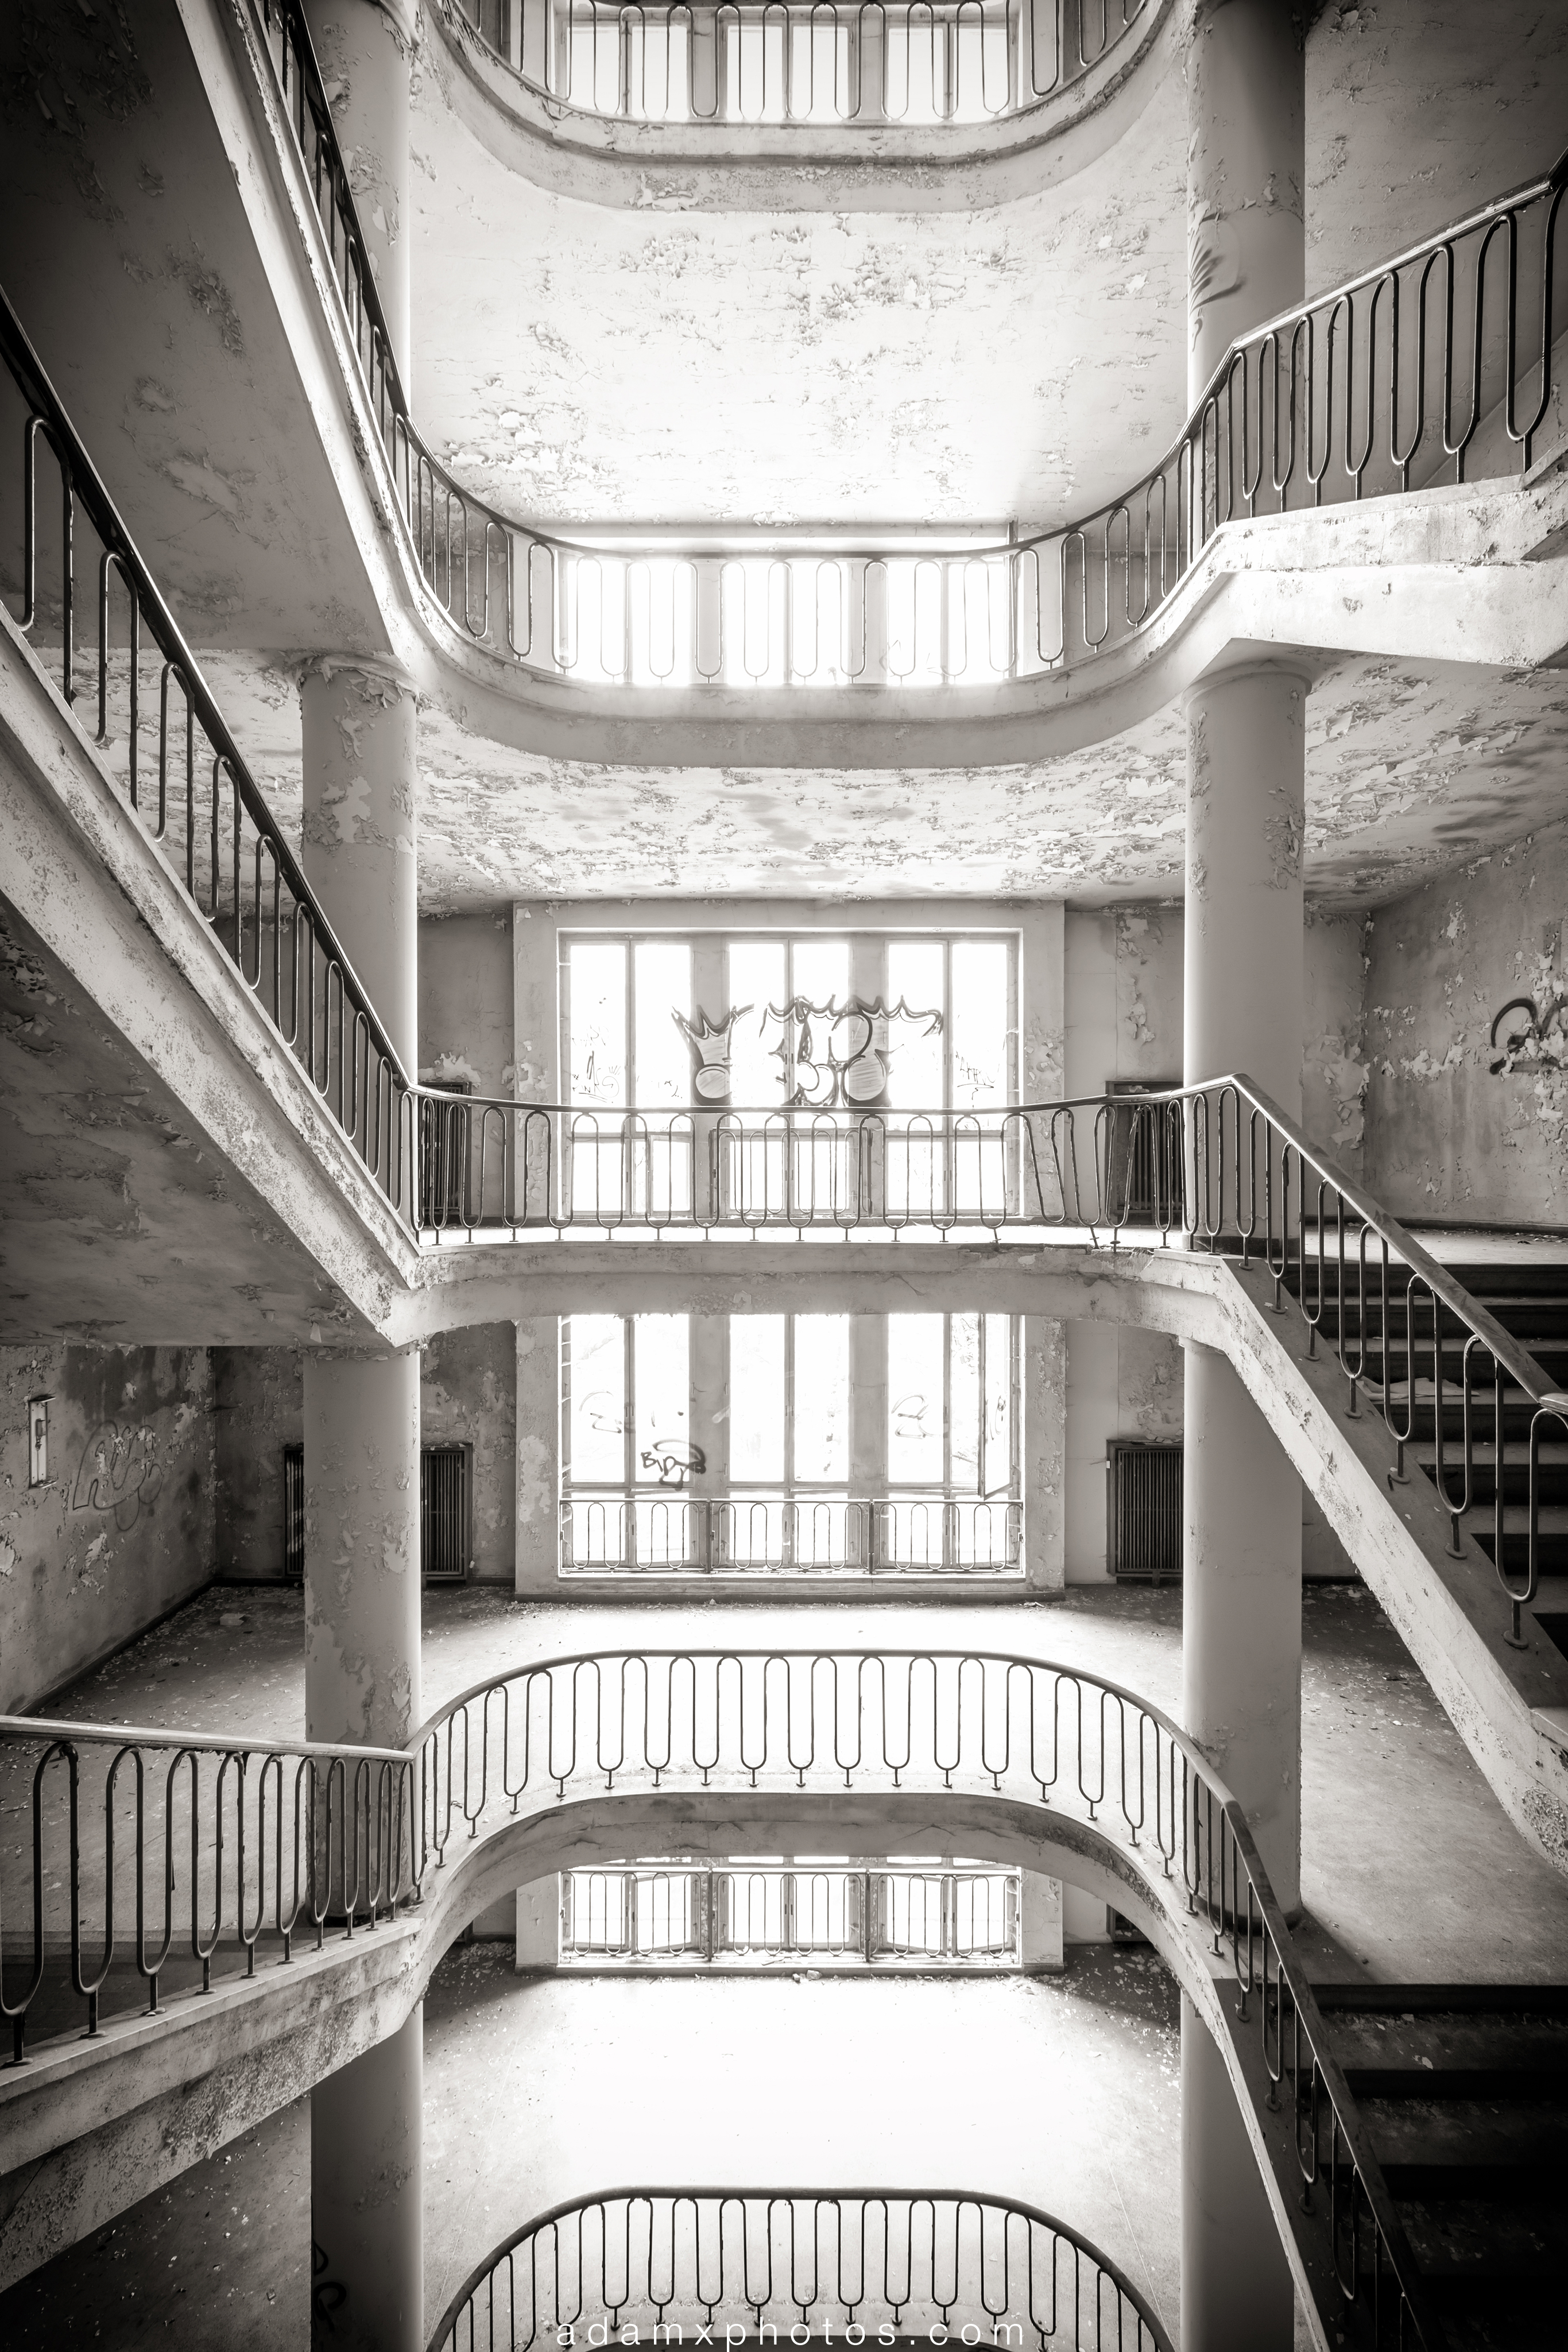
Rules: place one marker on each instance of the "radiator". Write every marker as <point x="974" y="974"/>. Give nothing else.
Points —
<point x="1144" y="1512"/>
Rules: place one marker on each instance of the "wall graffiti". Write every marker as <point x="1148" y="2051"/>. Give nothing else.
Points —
<point x="709" y="1041"/>
<point x="673" y="1459"/>
<point x="829" y="1054"/>
<point x="1529" y="1035"/>
<point x="118" y="1472"/>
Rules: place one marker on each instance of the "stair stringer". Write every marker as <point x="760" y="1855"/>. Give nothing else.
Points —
<point x="1510" y="1707"/>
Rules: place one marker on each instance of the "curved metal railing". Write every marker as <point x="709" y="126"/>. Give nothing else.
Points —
<point x="1031" y="1733"/>
<point x="158" y="1855"/>
<point x="922" y="2264"/>
<point x="160" y="734"/>
<point x="817" y="64"/>
<point x="1442" y="361"/>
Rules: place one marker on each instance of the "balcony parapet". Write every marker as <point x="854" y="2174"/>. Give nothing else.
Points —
<point x="1442" y="365"/>
<point x="573" y="1758"/>
<point x="814" y="104"/>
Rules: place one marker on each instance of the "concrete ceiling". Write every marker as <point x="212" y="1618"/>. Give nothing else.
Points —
<point x="1411" y="771"/>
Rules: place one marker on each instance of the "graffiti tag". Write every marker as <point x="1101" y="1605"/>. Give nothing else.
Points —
<point x="118" y="1471"/>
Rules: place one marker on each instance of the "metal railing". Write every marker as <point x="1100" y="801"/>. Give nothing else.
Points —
<point x="1219" y="1167"/>
<point x="708" y="1912"/>
<point x="1441" y="362"/>
<point x="818" y="64"/>
<point x="146" y="1855"/>
<point x="890" y="1722"/>
<point x="1019" y="1728"/>
<point x="135" y="682"/>
<point x="797" y="1535"/>
<point x="736" y="2262"/>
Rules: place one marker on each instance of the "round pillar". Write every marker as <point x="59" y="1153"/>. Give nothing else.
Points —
<point x="362" y="1688"/>
<point x="365" y="50"/>
<point x="359" y="724"/>
<point x="1241" y="1609"/>
<point x="1237" y="2292"/>
<point x="1246" y="171"/>
<point x="362" y="1547"/>
<point x="367" y="2195"/>
<point x="1244" y="930"/>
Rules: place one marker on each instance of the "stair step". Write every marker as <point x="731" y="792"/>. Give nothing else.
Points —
<point x="1531" y="2083"/>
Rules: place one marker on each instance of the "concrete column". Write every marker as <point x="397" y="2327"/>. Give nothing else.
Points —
<point x="1242" y="994"/>
<point x="1241" y="1636"/>
<point x="362" y="1493"/>
<point x="1040" y="1924"/>
<point x="367" y="2198"/>
<point x="1246" y="100"/>
<point x="1236" y="2292"/>
<point x="361" y="832"/>
<point x="539" y="1924"/>
<point x="536" y="1554"/>
<point x="1044" y="1443"/>
<point x="365" y="49"/>
<point x="363" y="1686"/>
<point x="362" y="1547"/>
<point x="1244" y="942"/>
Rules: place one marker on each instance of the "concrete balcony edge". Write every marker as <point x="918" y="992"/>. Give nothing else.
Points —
<point x="748" y="167"/>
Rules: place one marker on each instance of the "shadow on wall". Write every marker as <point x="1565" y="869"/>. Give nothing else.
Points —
<point x="109" y="1516"/>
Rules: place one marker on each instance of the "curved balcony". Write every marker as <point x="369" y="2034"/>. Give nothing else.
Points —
<point x="987" y="2270"/>
<point x="1443" y="364"/>
<point x="866" y="89"/>
<point x="575" y="1758"/>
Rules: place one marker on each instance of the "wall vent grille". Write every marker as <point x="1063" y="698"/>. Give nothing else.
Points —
<point x="1144" y="1509"/>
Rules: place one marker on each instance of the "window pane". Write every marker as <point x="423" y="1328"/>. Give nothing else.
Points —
<point x="661" y="1358"/>
<point x="756" y="1400"/>
<point x="821" y="970"/>
<point x="593" y="1355"/>
<point x="914" y="1400"/>
<point x="756" y="978"/>
<point x="597" y="1016"/>
<point x="914" y="973"/>
<point x="662" y="980"/>
<point x="981" y="1056"/>
<point x="964" y="1448"/>
<point x="822" y="1399"/>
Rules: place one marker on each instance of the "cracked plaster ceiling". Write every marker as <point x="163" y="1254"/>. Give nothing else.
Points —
<point x="1410" y="771"/>
<point x="585" y="364"/>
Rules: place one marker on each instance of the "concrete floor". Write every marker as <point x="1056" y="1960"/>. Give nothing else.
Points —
<point x="1410" y="1868"/>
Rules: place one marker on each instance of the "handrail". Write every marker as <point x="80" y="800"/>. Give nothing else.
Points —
<point x="1029" y="1731"/>
<point x="599" y="58"/>
<point x="263" y="1851"/>
<point x="1218" y="1165"/>
<point x="211" y="823"/>
<point x="1373" y="388"/>
<point x="912" y="2256"/>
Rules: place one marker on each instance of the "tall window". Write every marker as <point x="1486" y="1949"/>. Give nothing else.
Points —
<point x="792" y="1442"/>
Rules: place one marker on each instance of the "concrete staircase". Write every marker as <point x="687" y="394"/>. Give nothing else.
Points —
<point x="1463" y="2090"/>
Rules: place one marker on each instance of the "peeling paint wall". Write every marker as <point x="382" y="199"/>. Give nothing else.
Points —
<point x="124" y="1528"/>
<point x="1335" y="1073"/>
<point x="259" y="1410"/>
<point x="468" y="1392"/>
<point x="1121" y="1382"/>
<point x="466" y="1001"/>
<point x="1446" y="1134"/>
